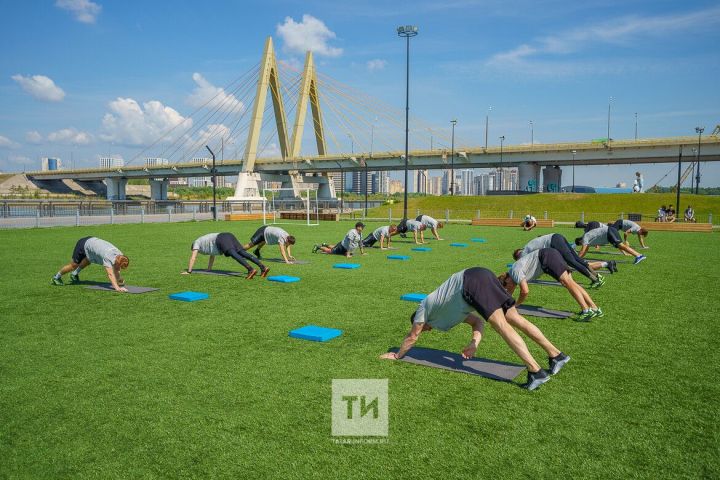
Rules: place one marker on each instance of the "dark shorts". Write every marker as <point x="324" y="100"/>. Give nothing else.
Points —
<point x="484" y="292"/>
<point x="338" y="249"/>
<point x="402" y="226"/>
<point x="369" y="241"/>
<point x="418" y="218"/>
<point x="592" y="226"/>
<point x="78" y="254"/>
<point x="227" y="243"/>
<point x="259" y="236"/>
<point x="613" y="237"/>
<point x="552" y="263"/>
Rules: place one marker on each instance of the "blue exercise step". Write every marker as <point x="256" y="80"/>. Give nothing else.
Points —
<point x="284" y="279"/>
<point x="189" y="296"/>
<point x="421" y="249"/>
<point x="347" y="266"/>
<point x="414" y="297"/>
<point x="398" y="257"/>
<point x="458" y="244"/>
<point x="315" y="333"/>
<point x="478" y="240"/>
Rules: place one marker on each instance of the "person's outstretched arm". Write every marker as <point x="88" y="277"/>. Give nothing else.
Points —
<point x="113" y="281"/>
<point x="193" y="257"/>
<point x="407" y="344"/>
<point x="284" y="254"/>
<point x="435" y="233"/>
<point x="211" y="261"/>
<point x="289" y="253"/>
<point x="382" y="239"/>
<point x="477" y="325"/>
<point x="583" y="251"/>
<point x="524" y="292"/>
<point x="415" y="236"/>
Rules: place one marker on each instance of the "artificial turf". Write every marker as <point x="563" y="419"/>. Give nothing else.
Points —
<point x="104" y="385"/>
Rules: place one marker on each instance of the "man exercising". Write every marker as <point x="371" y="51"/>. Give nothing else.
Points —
<point x="560" y="243"/>
<point x="550" y="261"/>
<point x="268" y="235"/>
<point x="351" y="242"/>
<point x="430" y="223"/>
<point x="227" y="244"/>
<point x="95" y="250"/>
<point x="603" y="236"/>
<point x="628" y="226"/>
<point x="474" y="296"/>
<point x="380" y="235"/>
<point x="591" y="225"/>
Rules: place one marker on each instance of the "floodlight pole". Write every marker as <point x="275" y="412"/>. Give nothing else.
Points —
<point x="407" y="31"/>
<point x="214" y="182"/>
<point x="677" y="194"/>
<point x="699" y="131"/>
<point x="573" y="154"/>
<point x="452" y="159"/>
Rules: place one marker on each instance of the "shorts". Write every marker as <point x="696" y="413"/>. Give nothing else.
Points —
<point x="227" y="243"/>
<point x="592" y="226"/>
<point x="613" y="237"/>
<point x="369" y="241"/>
<point x="259" y="236"/>
<point x="552" y="263"/>
<point x="338" y="250"/>
<point x="78" y="254"/>
<point x="618" y="225"/>
<point x="418" y="218"/>
<point x="402" y="226"/>
<point x="484" y="292"/>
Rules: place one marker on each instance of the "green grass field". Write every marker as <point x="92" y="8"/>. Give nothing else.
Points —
<point x="103" y="385"/>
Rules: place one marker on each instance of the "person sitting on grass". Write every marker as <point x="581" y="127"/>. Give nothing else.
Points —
<point x="474" y="296"/>
<point x="661" y="214"/>
<point x="380" y="235"/>
<point x="548" y="260"/>
<point x="227" y="244"/>
<point x="690" y="215"/>
<point x="603" y="236"/>
<point x="670" y="214"/>
<point x="95" y="250"/>
<point x="560" y="243"/>
<point x="529" y="222"/>
<point x="628" y="226"/>
<point x="351" y="242"/>
<point x="430" y="223"/>
<point x="268" y="235"/>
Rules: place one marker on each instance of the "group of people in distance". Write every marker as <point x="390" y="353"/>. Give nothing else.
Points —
<point x="667" y="214"/>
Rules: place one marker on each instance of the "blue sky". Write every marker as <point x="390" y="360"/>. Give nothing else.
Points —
<point x="86" y="78"/>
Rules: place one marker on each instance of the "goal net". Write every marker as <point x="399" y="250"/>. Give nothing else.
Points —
<point x="282" y="206"/>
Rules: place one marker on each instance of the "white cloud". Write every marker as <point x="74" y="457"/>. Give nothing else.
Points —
<point x="33" y="137"/>
<point x="309" y="34"/>
<point x="376" y="64"/>
<point x="131" y="124"/>
<point x="212" y="134"/>
<point x="7" y="143"/>
<point x="40" y="87"/>
<point x="69" y="136"/>
<point x="270" y="151"/>
<point x="85" y="11"/>
<point x="212" y="97"/>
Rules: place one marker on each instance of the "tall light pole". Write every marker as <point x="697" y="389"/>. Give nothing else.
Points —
<point x="573" y="187"/>
<point x="609" y="105"/>
<point x="532" y="134"/>
<point x="636" y="126"/>
<point x="677" y="194"/>
<point x="407" y="31"/>
<point x="699" y="131"/>
<point x="502" y="173"/>
<point x="214" y="182"/>
<point x="487" y="120"/>
<point x="342" y="185"/>
<point x="452" y="159"/>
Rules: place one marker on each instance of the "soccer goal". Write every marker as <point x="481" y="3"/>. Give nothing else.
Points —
<point x="282" y="206"/>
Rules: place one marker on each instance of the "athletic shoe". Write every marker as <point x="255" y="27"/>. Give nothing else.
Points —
<point x="639" y="259"/>
<point x="599" y="282"/>
<point x="612" y="266"/>
<point x="557" y="362"/>
<point x="315" y="248"/>
<point x="534" y="380"/>
<point x="403" y="235"/>
<point x="257" y="253"/>
<point x="265" y="272"/>
<point x="74" y="278"/>
<point x="251" y="274"/>
<point x="584" y="316"/>
<point x="598" y="313"/>
<point x="57" y="281"/>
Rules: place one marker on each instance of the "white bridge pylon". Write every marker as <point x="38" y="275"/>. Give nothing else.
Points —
<point x="249" y="182"/>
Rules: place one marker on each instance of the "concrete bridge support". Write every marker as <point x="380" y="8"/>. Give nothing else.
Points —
<point x="529" y="177"/>
<point x="115" y="188"/>
<point x="552" y="179"/>
<point x="159" y="189"/>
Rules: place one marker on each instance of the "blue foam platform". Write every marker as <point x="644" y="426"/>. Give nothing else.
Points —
<point x="421" y="249"/>
<point x="189" y="296"/>
<point x="413" y="297"/>
<point x="478" y="240"/>
<point x="458" y="244"/>
<point x="398" y="257"/>
<point x="347" y="266"/>
<point x="283" y="279"/>
<point x="315" y="334"/>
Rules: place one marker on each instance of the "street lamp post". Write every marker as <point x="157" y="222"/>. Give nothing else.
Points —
<point x="214" y="182"/>
<point x="452" y="159"/>
<point x="502" y="173"/>
<point x="573" y="186"/>
<point x="407" y="31"/>
<point x="532" y="134"/>
<point x="636" y="126"/>
<point x="699" y="131"/>
<point x="677" y="194"/>
<point x="342" y="185"/>
<point x="608" y="130"/>
<point x="487" y="120"/>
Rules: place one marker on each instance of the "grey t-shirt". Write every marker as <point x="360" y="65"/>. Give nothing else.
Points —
<point x="526" y="268"/>
<point x="445" y="307"/>
<point x="537" y="244"/>
<point x="381" y="232"/>
<point x="428" y="221"/>
<point x="596" y="236"/>
<point x="100" y="252"/>
<point x="413" y="225"/>
<point x="206" y="244"/>
<point x="352" y="240"/>
<point x="275" y="236"/>
<point x="630" y="225"/>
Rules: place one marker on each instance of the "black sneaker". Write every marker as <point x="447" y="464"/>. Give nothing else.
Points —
<point x="557" y="362"/>
<point x="57" y="281"/>
<point x="257" y="253"/>
<point x="403" y="235"/>
<point x="612" y="266"/>
<point x="534" y="380"/>
<point x="74" y="278"/>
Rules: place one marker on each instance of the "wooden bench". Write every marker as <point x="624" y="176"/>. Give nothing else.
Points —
<point x="676" y="227"/>
<point x="509" y="222"/>
<point x="243" y="216"/>
<point x="331" y="217"/>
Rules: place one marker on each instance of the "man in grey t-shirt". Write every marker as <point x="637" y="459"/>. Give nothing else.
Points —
<point x="224" y="243"/>
<point x="270" y="235"/>
<point x="430" y="223"/>
<point x="603" y="236"/>
<point x="628" y="226"/>
<point x="474" y="296"/>
<point x="351" y="242"/>
<point x="414" y="226"/>
<point x="380" y="234"/>
<point x="100" y="252"/>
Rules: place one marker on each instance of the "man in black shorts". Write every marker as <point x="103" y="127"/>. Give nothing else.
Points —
<point x="225" y="244"/>
<point x="474" y="296"/>
<point x="603" y="236"/>
<point x="270" y="235"/>
<point x="549" y="261"/>
<point x="591" y="225"/>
